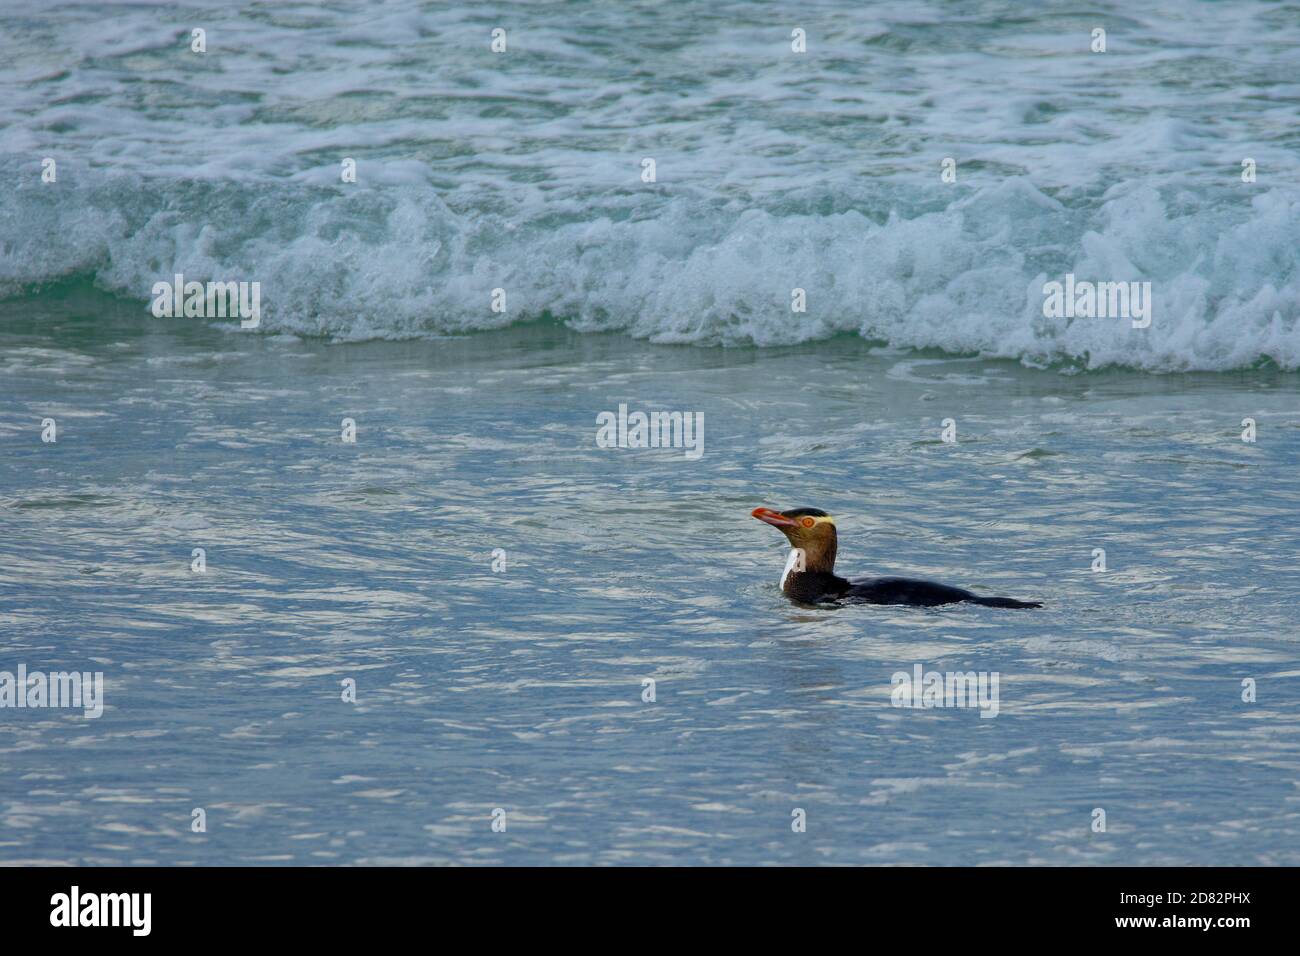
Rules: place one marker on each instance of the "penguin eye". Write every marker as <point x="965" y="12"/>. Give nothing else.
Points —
<point x="808" y="522"/>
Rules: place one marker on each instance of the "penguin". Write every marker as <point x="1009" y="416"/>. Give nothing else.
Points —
<point x="810" y="577"/>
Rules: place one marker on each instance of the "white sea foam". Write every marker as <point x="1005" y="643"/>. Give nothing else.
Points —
<point x="967" y="278"/>
<point x="520" y="171"/>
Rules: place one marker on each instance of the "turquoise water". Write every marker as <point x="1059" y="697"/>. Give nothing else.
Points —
<point x="520" y="688"/>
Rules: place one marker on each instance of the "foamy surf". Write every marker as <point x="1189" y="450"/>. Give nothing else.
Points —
<point x="796" y="197"/>
<point x="967" y="278"/>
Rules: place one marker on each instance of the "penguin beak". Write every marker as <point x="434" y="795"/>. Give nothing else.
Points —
<point x="774" y="518"/>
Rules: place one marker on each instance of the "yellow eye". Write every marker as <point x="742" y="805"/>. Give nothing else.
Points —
<point x="808" y="522"/>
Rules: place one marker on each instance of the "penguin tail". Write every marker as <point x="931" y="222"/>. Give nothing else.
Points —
<point x="1004" y="602"/>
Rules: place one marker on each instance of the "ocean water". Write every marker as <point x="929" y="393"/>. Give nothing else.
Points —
<point x="520" y="688"/>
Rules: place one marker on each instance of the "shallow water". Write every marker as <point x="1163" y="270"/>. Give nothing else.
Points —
<point x="521" y="689"/>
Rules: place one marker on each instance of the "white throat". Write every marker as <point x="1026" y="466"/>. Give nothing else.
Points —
<point x="796" y="562"/>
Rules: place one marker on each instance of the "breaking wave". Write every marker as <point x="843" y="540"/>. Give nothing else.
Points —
<point x="775" y="171"/>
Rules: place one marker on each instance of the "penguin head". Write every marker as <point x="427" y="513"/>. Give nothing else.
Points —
<point x="810" y="530"/>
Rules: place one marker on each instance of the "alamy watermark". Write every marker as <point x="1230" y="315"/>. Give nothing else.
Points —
<point x="1098" y="300"/>
<point x="655" y="430"/>
<point x="76" y="908"/>
<point x="55" y="689"/>
<point x="216" y="300"/>
<point x="926" y="689"/>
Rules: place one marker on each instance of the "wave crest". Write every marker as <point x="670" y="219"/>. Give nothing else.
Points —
<point x="965" y="277"/>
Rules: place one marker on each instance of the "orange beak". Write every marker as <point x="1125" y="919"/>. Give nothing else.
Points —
<point x="774" y="518"/>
